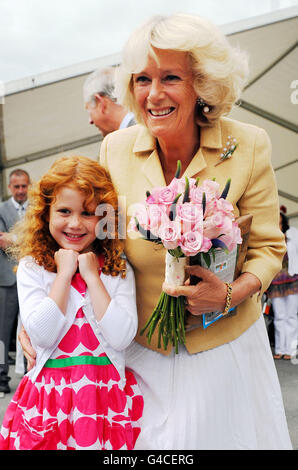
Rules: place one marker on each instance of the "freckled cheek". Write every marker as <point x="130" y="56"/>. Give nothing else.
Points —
<point x="56" y="224"/>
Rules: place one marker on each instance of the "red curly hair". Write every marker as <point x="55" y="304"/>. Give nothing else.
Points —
<point x="86" y="175"/>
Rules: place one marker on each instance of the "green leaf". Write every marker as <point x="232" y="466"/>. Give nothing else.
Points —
<point x="178" y="170"/>
<point x="146" y="233"/>
<point x="177" y="252"/>
<point x="207" y="259"/>
<point x="226" y="189"/>
<point x="172" y="213"/>
<point x="186" y="192"/>
<point x="204" y="203"/>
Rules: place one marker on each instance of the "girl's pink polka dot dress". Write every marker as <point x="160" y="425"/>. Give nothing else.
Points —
<point x="77" y="401"/>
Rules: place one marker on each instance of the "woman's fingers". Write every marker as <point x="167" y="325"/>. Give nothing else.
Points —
<point x="29" y="352"/>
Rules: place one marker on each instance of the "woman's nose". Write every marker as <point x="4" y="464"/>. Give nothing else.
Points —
<point x="156" y="90"/>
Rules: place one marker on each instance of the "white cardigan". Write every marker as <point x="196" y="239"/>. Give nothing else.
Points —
<point x="46" y="325"/>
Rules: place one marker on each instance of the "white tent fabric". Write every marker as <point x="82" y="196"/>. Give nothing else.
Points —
<point x="43" y="117"/>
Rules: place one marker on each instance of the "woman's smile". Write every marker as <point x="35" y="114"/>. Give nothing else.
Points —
<point x="161" y="112"/>
<point x="165" y="95"/>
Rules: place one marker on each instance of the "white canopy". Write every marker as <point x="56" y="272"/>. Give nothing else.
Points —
<point x="43" y="117"/>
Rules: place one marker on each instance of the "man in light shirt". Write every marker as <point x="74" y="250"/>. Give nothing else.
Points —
<point x="101" y="103"/>
<point x="10" y="212"/>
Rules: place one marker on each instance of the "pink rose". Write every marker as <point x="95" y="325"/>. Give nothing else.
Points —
<point x="222" y="222"/>
<point x="154" y="196"/>
<point x="140" y="212"/>
<point x="224" y="206"/>
<point x="166" y="196"/>
<point x="211" y="188"/>
<point x="196" y="195"/>
<point x="191" y="243"/>
<point x="233" y="238"/>
<point x="206" y="245"/>
<point x="170" y="235"/>
<point x="210" y="229"/>
<point x="190" y="216"/>
<point x="156" y="215"/>
<point x="178" y="185"/>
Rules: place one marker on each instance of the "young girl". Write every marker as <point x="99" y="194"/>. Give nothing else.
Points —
<point x="77" y="304"/>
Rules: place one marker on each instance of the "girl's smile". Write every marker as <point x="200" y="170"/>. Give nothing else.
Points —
<point x="71" y="224"/>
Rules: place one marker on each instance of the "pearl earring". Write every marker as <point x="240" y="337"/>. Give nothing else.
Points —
<point x="203" y="105"/>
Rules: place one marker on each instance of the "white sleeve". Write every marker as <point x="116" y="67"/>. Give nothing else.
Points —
<point x="40" y="315"/>
<point x="120" y="322"/>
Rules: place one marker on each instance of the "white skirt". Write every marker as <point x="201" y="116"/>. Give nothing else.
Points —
<point x="227" y="398"/>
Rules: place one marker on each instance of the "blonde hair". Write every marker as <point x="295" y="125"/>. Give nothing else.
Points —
<point x="220" y="71"/>
<point x="32" y="234"/>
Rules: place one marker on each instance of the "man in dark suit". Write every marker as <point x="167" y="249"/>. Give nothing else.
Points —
<point x="10" y="212"/>
<point x="101" y="103"/>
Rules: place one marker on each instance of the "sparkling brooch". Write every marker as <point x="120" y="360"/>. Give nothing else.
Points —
<point x="228" y="150"/>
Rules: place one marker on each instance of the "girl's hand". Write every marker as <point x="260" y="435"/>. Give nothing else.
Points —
<point x="88" y="266"/>
<point x="66" y="262"/>
<point x="89" y="270"/>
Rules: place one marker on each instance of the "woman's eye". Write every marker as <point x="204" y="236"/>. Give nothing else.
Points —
<point x="172" y="78"/>
<point x="88" y="214"/>
<point x="141" y="79"/>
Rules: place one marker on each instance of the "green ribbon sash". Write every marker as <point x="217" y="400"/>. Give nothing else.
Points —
<point x="77" y="360"/>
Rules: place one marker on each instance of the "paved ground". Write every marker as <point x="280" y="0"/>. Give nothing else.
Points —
<point x="288" y="376"/>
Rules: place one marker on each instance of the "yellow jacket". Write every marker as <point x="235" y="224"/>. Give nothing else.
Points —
<point x="131" y="157"/>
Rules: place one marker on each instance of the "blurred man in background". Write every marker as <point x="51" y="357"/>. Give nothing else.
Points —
<point x="100" y="101"/>
<point x="10" y="212"/>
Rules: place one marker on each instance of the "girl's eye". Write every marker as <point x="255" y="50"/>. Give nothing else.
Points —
<point x="64" y="211"/>
<point x="88" y="214"/>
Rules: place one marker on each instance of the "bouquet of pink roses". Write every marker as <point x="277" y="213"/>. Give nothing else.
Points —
<point x="188" y="219"/>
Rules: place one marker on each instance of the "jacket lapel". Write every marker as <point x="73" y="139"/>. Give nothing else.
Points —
<point x="145" y="148"/>
<point x="153" y="171"/>
<point x="210" y="139"/>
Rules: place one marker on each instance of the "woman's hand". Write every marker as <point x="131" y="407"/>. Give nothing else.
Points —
<point x="209" y="294"/>
<point x="206" y="296"/>
<point x="29" y="352"/>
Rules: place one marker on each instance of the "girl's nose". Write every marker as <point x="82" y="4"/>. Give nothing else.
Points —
<point x="74" y="221"/>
